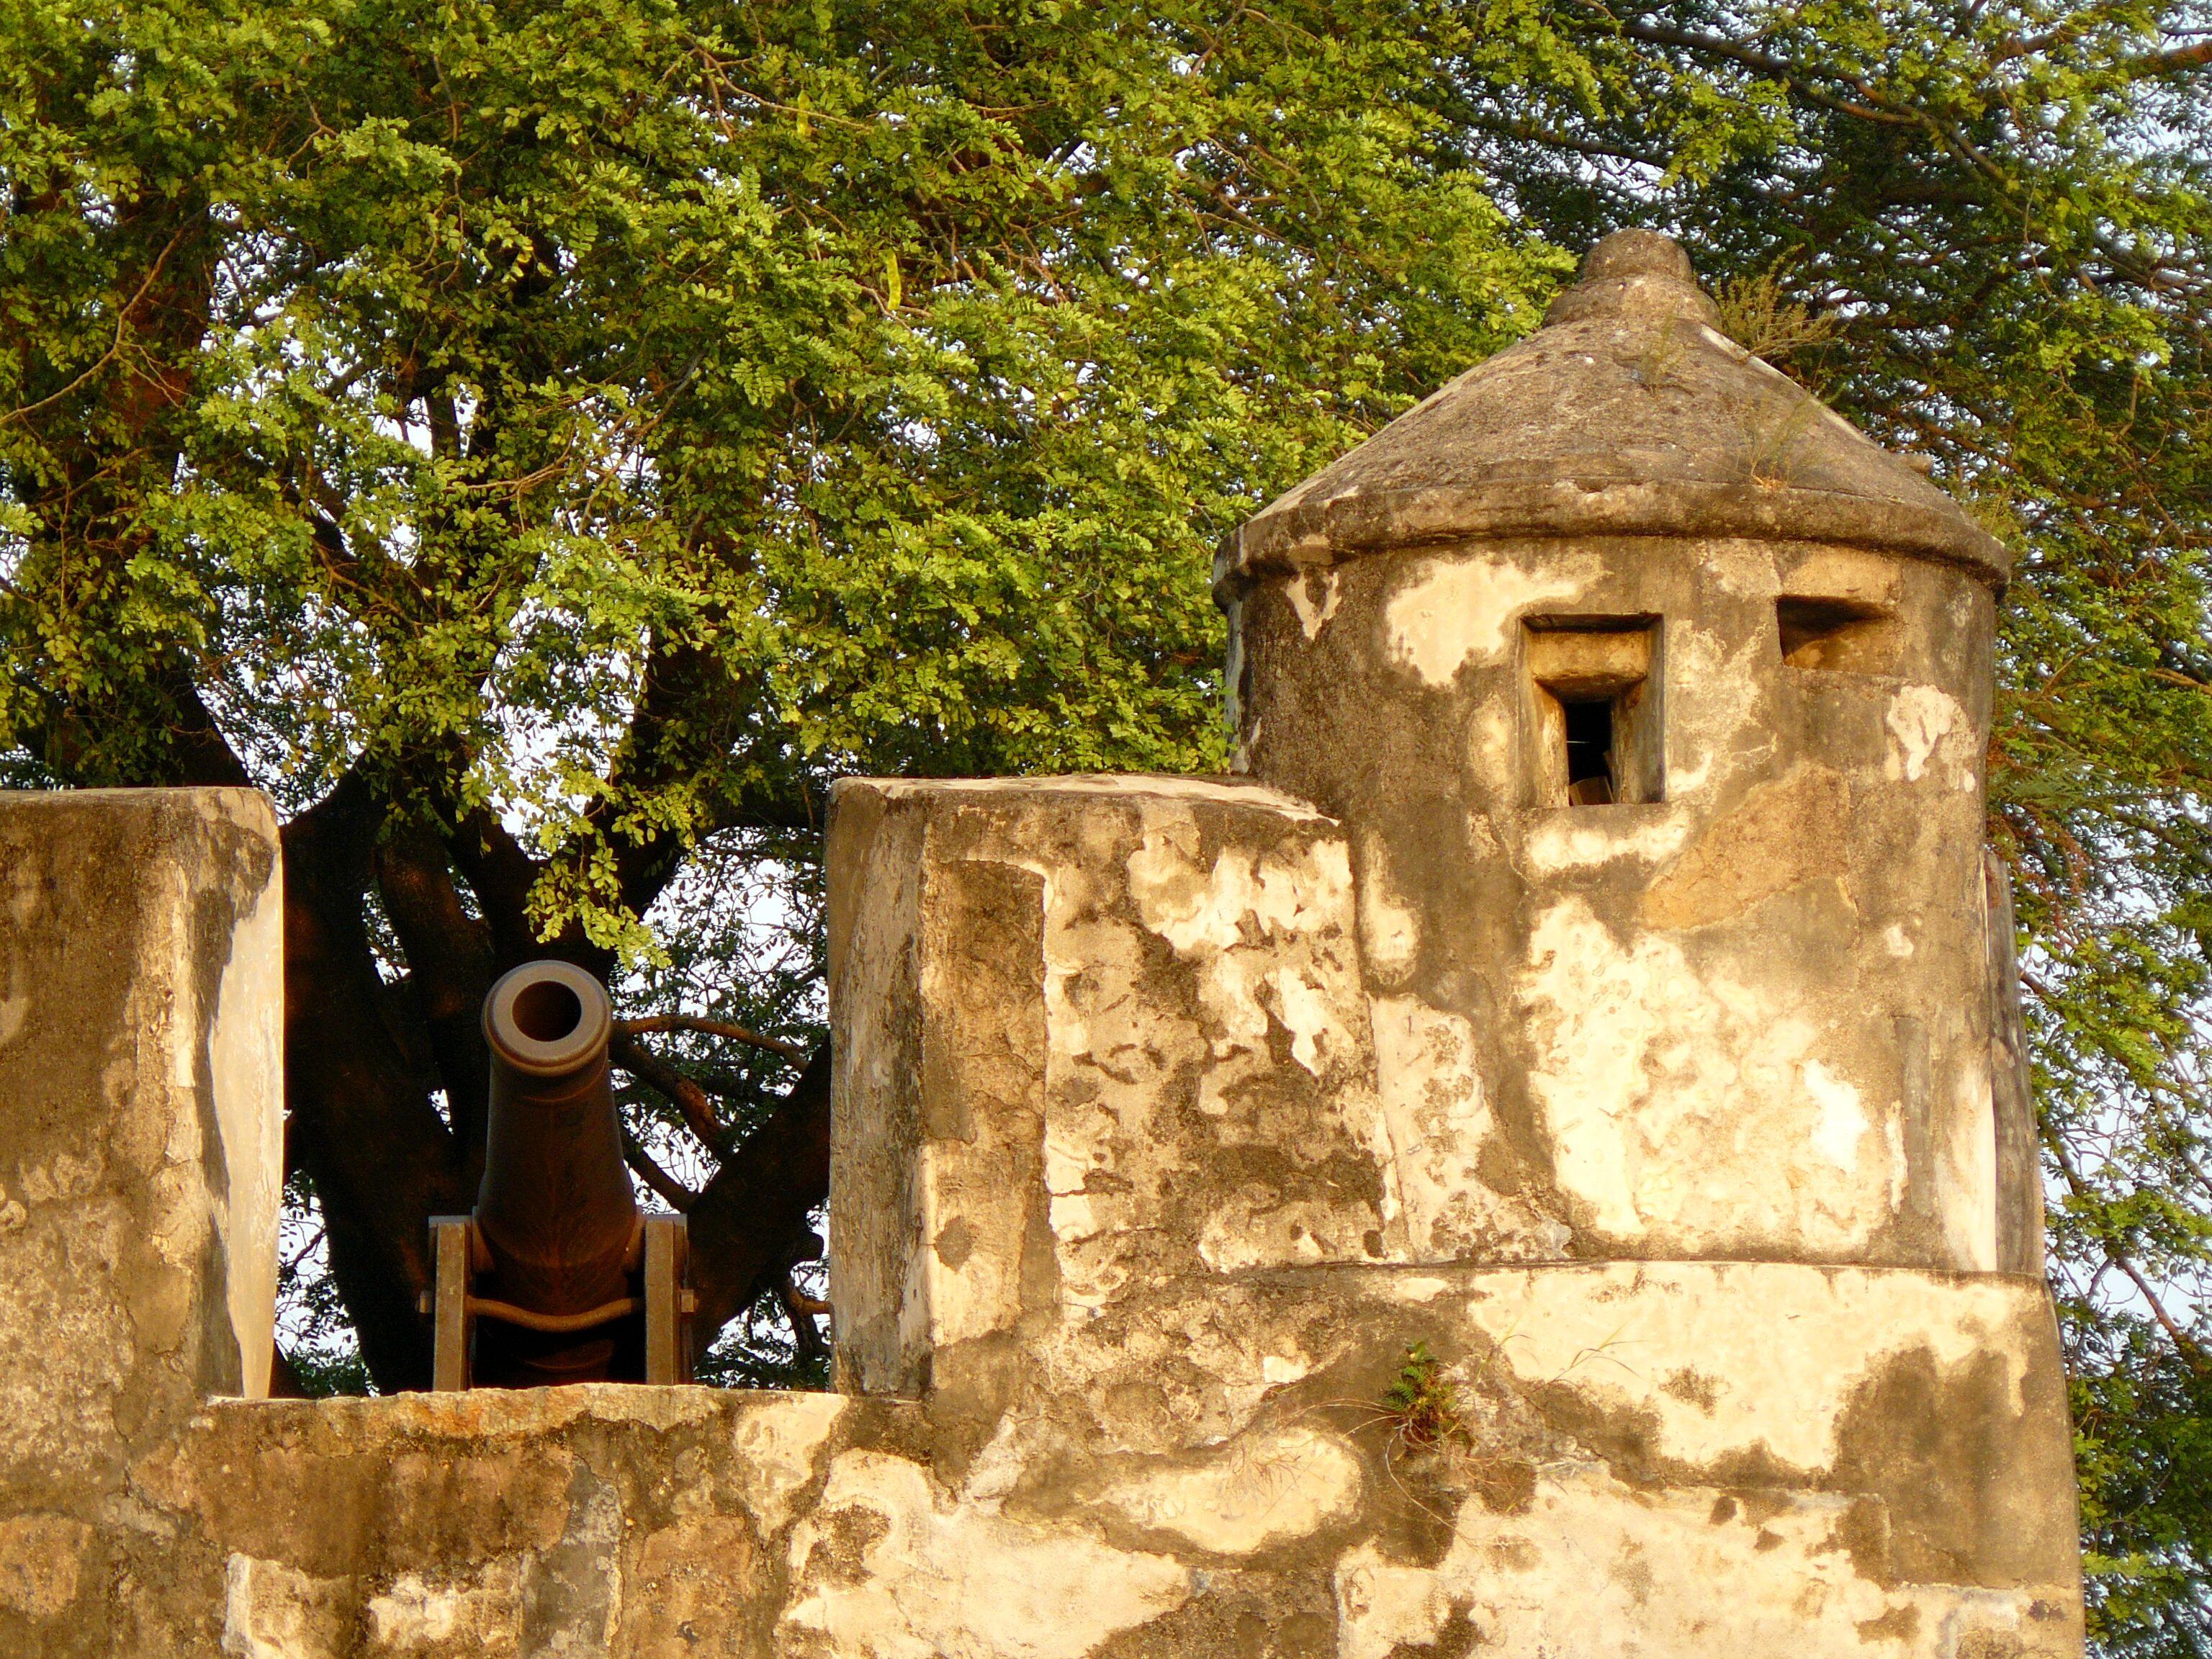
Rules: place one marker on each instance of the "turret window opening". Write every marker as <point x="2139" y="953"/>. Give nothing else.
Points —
<point x="1590" y="752"/>
<point x="1591" y="711"/>
<point x="1841" y="635"/>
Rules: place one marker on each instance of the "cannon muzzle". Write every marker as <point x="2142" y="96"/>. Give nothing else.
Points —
<point x="548" y="1281"/>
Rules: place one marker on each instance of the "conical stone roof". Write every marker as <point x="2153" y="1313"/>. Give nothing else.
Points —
<point x="1627" y="413"/>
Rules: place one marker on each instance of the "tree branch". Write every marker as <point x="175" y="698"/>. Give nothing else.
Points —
<point x="360" y="1125"/>
<point x="449" y="964"/>
<point x="688" y="1098"/>
<point x="720" y="1028"/>
<point x="501" y="875"/>
<point x="680" y="1198"/>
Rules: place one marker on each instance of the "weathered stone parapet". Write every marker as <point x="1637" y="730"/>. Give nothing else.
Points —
<point x="1092" y="1034"/>
<point x="141" y="1159"/>
<point x="593" y="1520"/>
<point x="1205" y="1465"/>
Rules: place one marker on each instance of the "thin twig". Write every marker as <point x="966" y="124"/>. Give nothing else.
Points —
<point x="720" y="1028"/>
<point x="680" y="1198"/>
<point x="115" y="347"/>
<point x="306" y="1249"/>
<point x="2190" y="1350"/>
<point x="688" y="1097"/>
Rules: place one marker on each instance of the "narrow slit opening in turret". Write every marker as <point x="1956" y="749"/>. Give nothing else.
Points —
<point x="1590" y="752"/>
<point x="547" y="1011"/>
<point x="1841" y="635"/>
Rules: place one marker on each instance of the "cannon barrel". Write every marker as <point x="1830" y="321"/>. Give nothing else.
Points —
<point x="556" y="1220"/>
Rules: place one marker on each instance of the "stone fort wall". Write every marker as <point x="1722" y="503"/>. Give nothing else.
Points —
<point x="1125" y="1267"/>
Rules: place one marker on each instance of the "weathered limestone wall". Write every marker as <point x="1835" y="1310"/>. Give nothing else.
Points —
<point x="141" y="1155"/>
<point x="1751" y="1019"/>
<point x="1625" y="1484"/>
<point x="1104" y="1007"/>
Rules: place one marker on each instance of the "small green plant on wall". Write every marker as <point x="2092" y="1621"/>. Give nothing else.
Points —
<point x="1422" y="1403"/>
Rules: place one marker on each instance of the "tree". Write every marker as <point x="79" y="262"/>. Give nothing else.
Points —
<point x="543" y="449"/>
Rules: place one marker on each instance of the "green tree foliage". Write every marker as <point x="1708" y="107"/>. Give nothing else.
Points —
<point x="543" y="446"/>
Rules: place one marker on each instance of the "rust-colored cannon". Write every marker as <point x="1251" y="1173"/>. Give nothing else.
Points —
<point x="557" y="1276"/>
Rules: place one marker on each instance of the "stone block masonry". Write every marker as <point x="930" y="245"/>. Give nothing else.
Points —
<point x="141" y="1156"/>
<point x="1536" y="1165"/>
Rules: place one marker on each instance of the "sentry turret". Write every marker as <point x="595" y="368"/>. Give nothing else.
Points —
<point x="1655" y="699"/>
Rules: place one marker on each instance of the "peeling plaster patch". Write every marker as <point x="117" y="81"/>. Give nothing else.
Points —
<point x="1765" y="1333"/>
<point x="1240" y="922"/>
<point x="1970" y="1212"/>
<point x="1259" y="1490"/>
<point x="994" y="1472"/>
<point x="892" y="1572"/>
<point x="1439" y="1119"/>
<point x="1782" y="834"/>
<point x="1254" y="1226"/>
<point x="1384" y="1607"/>
<point x="1843" y="1119"/>
<point x="1592" y="1559"/>
<point x="573" y="1594"/>
<point x="1313" y="616"/>
<point x="1267" y="935"/>
<point x="1389" y="931"/>
<point x="1066" y="1167"/>
<point x="41" y="1561"/>
<point x="1920" y="717"/>
<point x="1203" y="912"/>
<point x="1493" y="743"/>
<point x="1418" y="1287"/>
<point x="1457" y="611"/>
<point x="1300" y="1004"/>
<point x="1676" y="1102"/>
<point x="777" y="1443"/>
<point x="1713" y="703"/>
<point x="482" y="1611"/>
<point x="270" y="1611"/>
<point x="1573" y="838"/>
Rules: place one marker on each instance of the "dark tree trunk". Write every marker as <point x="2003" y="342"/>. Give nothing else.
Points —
<point x="361" y="1126"/>
<point x="359" y="1077"/>
<point x="743" y="1223"/>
